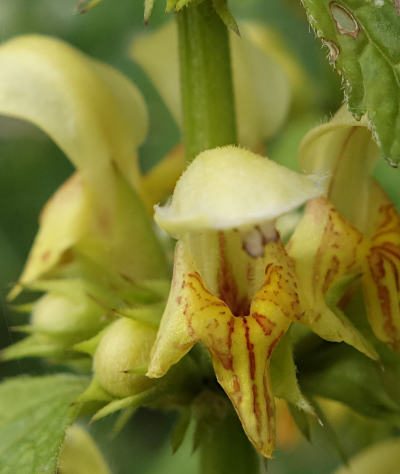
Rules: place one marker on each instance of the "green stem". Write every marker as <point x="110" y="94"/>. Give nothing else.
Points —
<point x="227" y="450"/>
<point x="206" y="79"/>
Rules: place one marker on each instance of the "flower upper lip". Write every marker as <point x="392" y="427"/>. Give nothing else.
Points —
<point x="230" y="187"/>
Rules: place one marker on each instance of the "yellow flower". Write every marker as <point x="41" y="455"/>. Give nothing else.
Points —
<point x="98" y="118"/>
<point x="369" y="231"/>
<point x="382" y="457"/>
<point x="259" y="57"/>
<point x="96" y="252"/>
<point x="233" y="286"/>
<point x="80" y="455"/>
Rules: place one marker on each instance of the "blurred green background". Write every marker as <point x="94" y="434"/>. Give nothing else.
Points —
<point x="32" y="167"/>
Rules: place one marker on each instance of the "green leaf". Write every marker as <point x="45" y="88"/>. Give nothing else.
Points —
<point x="283" y="376"/>
<point x="221" y="7"/>
<point x="133" y="401"/>
<point x="342" y="374"/>
<point x="363" y="41"/>
<point x="302" y="421"/>
<point x="180" y="430"/>
<point x="330" y="433"/>
<point x="148" y="8"/>
<point x="34" y="414"/>
<point x="84" y="6"/>
<point x="32" y="346"/>
<point x="122" y="420"/>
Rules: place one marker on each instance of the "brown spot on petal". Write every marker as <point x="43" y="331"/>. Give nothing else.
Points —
<point x="227" y="287"/>
<point x="378" y="273"/>
<point x="45" y="256"/>
<point x="256" y="409"/>
<point x="274" y="344"/>
<point x="331" y="274"/>
<point x="104" y="221"/>
<point x="66" y="257"/>
<point x="266" y="324"/>
<point x="237" y="392"/>
<point x="250" y="350"/>
<point x="270" y="409"/>
<point x="345" y="21"/>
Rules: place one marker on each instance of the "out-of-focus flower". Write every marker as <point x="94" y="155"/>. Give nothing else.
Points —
<point x="382" y="457"/>
<point x="98" y="118"/>
<point x="96" y="249"/>
<point x="259" y="57"/>
<point x="80" y="455"/>
<point x="96" y="255"/>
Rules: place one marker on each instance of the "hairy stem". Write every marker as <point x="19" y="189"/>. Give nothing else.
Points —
<point x="206" y="79"/>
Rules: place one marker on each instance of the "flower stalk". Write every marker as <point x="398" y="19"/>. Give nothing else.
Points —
<point x="206" y="79"/>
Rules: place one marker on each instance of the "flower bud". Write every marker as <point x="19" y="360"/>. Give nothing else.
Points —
<point x="124" y="348"/>
<point x="68" y="320"/>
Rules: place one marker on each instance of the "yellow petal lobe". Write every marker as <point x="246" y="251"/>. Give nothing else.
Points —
<point x="380" y="279"/>
<point x="240" y="345"/>
<point x="326" y="249"/>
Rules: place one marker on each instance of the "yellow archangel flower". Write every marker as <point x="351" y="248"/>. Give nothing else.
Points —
<point x="98" y="118"/>
<point x="233" y="286"/>
<point x="363" y="217"/>
<point x="96" y="240"/>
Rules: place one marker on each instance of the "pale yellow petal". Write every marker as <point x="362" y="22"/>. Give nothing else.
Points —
<point x="80" y="455"/>
<point x="134" y="120"/>
<point x="160" y="181"/>
<point x="57" y="235"/>
<point x="260" y="110"/>
<point x="381" y="284"/>
<point x="344" y="152"/>
<point x="326" y="249"/>
<point x="273" y="45"/>
<point x="157" y="54"/>
<point x="122" y="238"/>
<point x="175" y="337"/>
<point x="119" y="236"/>
<point x="230" y="187"/>
<point x="76" y="101"/>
